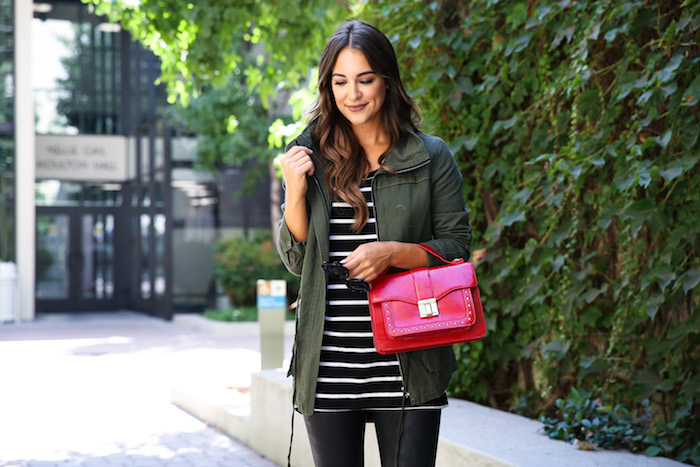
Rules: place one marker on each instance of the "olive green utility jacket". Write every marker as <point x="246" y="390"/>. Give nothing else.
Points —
<point x="420" y="202"/>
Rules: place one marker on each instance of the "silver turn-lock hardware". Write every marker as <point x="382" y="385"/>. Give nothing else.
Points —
<point x="428" y="308"/>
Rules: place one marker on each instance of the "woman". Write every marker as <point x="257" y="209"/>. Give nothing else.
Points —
<point x="362" y="187"/>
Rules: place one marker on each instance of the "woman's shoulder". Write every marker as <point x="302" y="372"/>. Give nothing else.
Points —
<point x="436" y="146"/>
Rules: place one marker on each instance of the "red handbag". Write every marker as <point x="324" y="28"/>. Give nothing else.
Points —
<point x="426" y="307"/>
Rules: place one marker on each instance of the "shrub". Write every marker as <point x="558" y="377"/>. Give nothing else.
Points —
<point x="584" y="418"/>
<point x="240" y="262"/>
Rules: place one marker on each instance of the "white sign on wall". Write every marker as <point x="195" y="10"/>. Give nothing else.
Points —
<point x="81" y="157"/>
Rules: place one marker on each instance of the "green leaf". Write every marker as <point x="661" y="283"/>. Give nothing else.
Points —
<point x="523" y="195"/>
<point x="465" y="85"/>
<point x="589" y="318"/>
<point x="664" y="275"/>
<point x="561" y="233"/>
<point x="517" y="15"/>
<point x="653" y="451"/>
<point x="640" y="212"/>
<point x="669" y="89"/>
<point x="497" y="167"/>
<point x="690" y="279"/>
<point x="692" y="94"/>
<point x="558" y="262"/>
<point x="667" y="73"/>
<point x="665" y="386"/>
<point x="663" y="142"/>
<point x="557" y="348"/>
<point x="591" y="295"/>
<point x="611" y="34"/>
<point x="671" y="170"/>
<point x="598" y="161"/>
<point x="510" y="218"/>
<point x="624" y="180"/>
<point x="653" y="304"/>
<point x="645" y="97"/>
<point x="606" y="216"/>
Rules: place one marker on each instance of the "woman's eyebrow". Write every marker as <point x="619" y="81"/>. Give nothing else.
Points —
<point x="361" y="74"/>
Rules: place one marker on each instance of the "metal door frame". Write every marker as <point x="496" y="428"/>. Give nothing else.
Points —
<point x="75" y="301"/>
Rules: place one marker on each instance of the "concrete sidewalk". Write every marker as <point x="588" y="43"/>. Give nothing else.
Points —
<point x="93" y="389"/>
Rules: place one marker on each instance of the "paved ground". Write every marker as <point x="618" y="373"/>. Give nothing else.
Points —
<point x="94" y="390"/>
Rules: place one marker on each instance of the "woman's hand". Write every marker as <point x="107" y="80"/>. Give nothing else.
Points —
<point x="371" y="259"/>
<point x="296" y="165"/>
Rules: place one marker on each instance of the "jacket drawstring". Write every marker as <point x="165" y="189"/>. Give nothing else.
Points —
<point x="291" y="439"/>
<point x="401" y="421"/>
<point x="294" y="387"/>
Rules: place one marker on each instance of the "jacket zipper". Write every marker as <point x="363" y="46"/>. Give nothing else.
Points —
<point x="376" y="226"/>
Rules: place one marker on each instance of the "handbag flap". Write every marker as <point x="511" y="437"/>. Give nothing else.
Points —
<point x="426" y="300"/>
<point x="421" y="284"/>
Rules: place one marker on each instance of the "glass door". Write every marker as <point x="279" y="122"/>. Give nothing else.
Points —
<point x="52" y="256"/>
<point x="76" y="261"/>
<point x="97" y="272"/>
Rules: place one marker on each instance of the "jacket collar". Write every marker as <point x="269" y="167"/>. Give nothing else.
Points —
<point x="410" y="151"/>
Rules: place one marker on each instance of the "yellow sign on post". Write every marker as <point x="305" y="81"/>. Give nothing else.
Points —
<point x="272" y="304"/>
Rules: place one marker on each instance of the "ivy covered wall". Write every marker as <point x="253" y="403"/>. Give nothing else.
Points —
<point x="576" y="127"/>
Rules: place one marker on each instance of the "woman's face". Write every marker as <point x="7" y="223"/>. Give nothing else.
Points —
<point x="358" y="91"/>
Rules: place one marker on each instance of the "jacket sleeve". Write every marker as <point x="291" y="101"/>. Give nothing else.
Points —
<point x="291" y="251"/>
<point x="452" y="233"/>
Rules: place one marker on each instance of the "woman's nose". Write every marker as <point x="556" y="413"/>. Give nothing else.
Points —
<point x="355" y="92"/>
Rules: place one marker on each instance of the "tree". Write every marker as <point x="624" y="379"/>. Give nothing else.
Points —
<point x="254" y="50"/>
<point x="203" y="43"/>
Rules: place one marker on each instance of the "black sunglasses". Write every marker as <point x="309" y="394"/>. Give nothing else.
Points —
<point x="337" y="271"/>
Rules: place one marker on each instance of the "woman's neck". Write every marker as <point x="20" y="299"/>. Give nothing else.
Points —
<point x="374" y="140"/>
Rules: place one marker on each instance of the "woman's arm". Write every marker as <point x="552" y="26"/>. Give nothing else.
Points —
<point x="371" y="259"/>
<point x="452" y="233"/>
<point x="294" y="225"/>
<point x="296" y="165"/>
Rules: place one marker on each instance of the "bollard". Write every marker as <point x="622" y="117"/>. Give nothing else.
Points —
<point x="9" y="295"/>
<point x="272" y="303"/>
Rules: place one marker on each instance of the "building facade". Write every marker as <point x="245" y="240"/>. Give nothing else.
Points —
<point x="101" y="207"/>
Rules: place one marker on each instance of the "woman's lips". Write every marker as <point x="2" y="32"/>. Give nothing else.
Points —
<point x="356" y="108"/>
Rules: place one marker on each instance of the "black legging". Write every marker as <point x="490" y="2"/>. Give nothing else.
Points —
<point x="337" y="438"/>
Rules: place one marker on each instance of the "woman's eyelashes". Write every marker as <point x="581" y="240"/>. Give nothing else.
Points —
<point x="342" y="83"/>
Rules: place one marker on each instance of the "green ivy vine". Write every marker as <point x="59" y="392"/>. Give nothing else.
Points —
<point x="575" y="125"/>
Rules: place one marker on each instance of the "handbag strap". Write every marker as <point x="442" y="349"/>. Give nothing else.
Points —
<point x="437" y="255"/>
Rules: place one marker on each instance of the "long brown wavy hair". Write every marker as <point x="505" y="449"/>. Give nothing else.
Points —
<point x="346" y="163"/>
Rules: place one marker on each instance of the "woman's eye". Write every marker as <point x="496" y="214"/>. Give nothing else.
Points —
<point x="339" y="83"/>
<point x="369" y="81"/>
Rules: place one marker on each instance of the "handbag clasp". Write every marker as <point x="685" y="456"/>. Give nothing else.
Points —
<point x="428" y="308"/>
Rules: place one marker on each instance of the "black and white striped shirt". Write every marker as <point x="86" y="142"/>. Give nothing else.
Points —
<point x="352" y="375"/>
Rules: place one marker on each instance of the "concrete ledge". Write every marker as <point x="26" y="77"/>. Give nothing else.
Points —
<point x="243" y="328"/>
<point x="470" y="434"/>
<point x="223" y="408"/>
